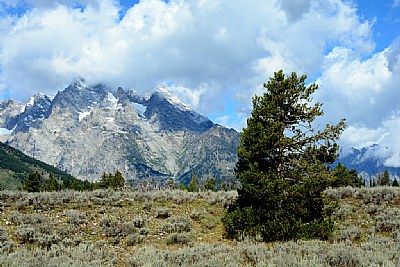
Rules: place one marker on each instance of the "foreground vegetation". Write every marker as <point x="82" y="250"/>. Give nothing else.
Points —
<point x="180" y="228"/>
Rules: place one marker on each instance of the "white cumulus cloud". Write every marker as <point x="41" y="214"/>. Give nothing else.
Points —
<point x="207" y="51"/>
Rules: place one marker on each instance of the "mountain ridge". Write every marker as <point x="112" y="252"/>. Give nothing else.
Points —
<point x="90" y="129"/>
<point x="367" y="162"/>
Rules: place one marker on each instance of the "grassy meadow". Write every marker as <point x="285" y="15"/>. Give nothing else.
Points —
<point x="179" y="228"/>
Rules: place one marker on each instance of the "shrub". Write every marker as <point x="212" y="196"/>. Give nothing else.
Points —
<point x="178" y="238"/>
<point x="127" y="228"/>
<point x="134" y="239"/>
<point x="139" y="221"/>
<point x="113" y="228"/>
<point x="350" y="233"/>
<point x="163" y="213"/>
<point x="197" y="215"/>
<point x="147" y="206"/>
<point x="62" y="256"/>
<point x="15" y="217"/>
<point x="25" y="234"/>
<point x="6" y="245"/>
<point x="47" y="240"/>
<point x="177" y="225"/>
<point x="75" y="217"/>
<point x="144" y="231"/>
<point x="389" y="220"/>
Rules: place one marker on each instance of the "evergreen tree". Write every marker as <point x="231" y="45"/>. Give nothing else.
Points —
<point x="118" y="180"/>
<point x="104" y="180"/>
<point x="89" y="186"/>
<point x="193" y="185"/>
<point x="395" y="183"/>
<point x="171" y="184"/>
<point x="282" y="165"/>
<point x="211" y="184"/>
<point x="76" y="185"/>
<point x="51" y="184"/>
<point x="341" y="176"/>
<point x="223" y="186"/>
<point x="33" y="182"/>
<point x="108" y="180"/>
<point x="383" y="179"/>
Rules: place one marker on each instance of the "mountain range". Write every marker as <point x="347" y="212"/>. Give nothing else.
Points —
<point x="367" y="162"/>
<point x="87" y="130"/>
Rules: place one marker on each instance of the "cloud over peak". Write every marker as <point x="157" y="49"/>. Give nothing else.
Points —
<point x="207" y="52"/>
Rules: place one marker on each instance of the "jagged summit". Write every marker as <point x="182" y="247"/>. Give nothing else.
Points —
<point x="172" y="115"/>
<point x="163" y="92"/>
<point x="90" y="129"/>
<point x="16" y="116"/>
<point x="79" y="96"/>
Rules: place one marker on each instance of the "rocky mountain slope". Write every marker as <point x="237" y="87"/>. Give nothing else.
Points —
<point x="90" y="129"/>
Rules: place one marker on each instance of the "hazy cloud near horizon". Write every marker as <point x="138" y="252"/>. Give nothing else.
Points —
<point x="208" y="51"/>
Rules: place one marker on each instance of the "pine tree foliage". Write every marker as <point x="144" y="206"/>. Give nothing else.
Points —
<point x="194" y="183"/>
<point x="282" y="165"/>
<point x="210" y="184"/>
<point x="112" y="181"/>
<point x="341" y="177"/>
<point x="119" y="180"/>
<point x="383" y="179"/>
<point x="33" y="182"/>
<point x="51" y="184"/>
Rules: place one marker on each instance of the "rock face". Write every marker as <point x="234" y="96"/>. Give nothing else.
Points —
<point x="87" y="130"/>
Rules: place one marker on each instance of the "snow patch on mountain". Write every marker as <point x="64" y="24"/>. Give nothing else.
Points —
<point x="110" y="119"/>
<point x="112" y="99"/>
<point x="31" y="101"/>
<point x="171" y="98"/>
<point x="83" y="114"/>
<point x="23" y="108"/>
<point x="5" y="131"/>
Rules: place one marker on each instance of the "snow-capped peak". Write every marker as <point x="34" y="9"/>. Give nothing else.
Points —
<point x="171" y="98"/>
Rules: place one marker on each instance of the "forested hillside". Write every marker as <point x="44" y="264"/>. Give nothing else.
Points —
<point x="15" y="166"/>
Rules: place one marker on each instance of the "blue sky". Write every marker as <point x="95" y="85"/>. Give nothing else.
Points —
<point x="386" y="15"/>
<point x="215" y="55"/>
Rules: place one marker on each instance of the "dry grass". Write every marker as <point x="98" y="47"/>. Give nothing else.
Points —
<point x="177" y="228"/>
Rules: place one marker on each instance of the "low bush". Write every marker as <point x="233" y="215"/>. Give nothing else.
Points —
<point x="178" y="238"/>
<point x="139" y="221"/>
<point x="388" y="220"/>
<point x="134" y="239"/>
<point x="197" y="215"/>
<point x="163" y="213"/>
<point x="177" y="225"/>
<point x="75" y="217"/>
